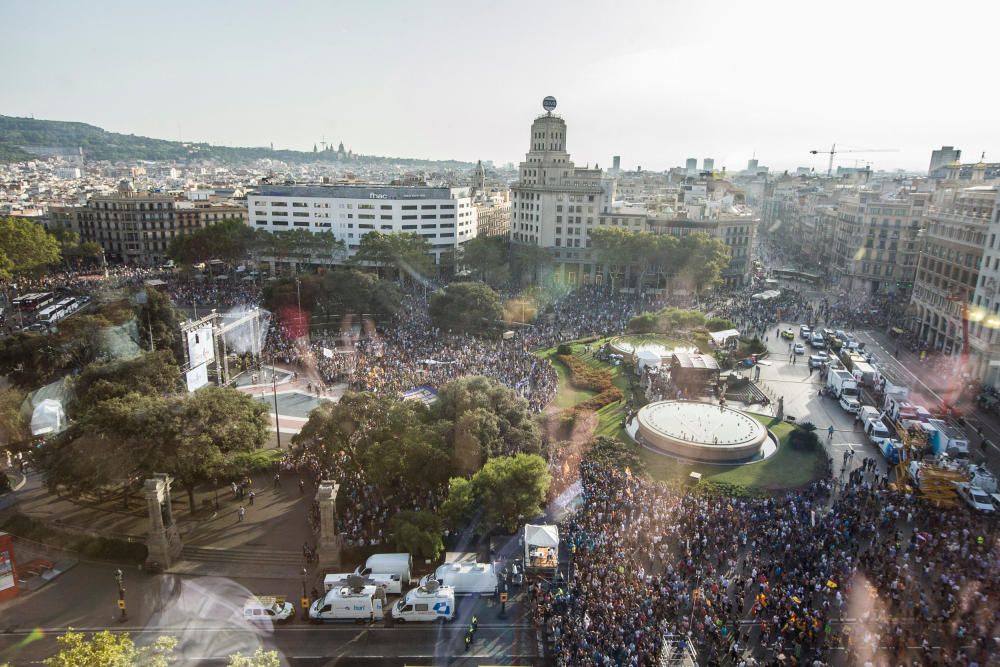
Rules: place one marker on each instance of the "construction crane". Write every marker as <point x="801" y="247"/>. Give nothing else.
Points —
<point x="833" y="151"/>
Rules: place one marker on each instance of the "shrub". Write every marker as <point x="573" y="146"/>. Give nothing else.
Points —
<point x="719" y="324"/>
<point x="105" y="548"/>
<point x="606" y="397"/>
<point x="564" y="348"/>
<point x="804" y="441"/>
<point x="584" y="376"/>
<point x="645" y="323"/>
<point x="614" y="453"/>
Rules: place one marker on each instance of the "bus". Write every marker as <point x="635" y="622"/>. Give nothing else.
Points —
<point x="30" y="303"/>
<point x="792" y="274"/>
<point x="49" y="315"/>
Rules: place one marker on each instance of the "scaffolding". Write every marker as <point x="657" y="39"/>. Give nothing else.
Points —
<point x="934" y="482"/>
<point x="678" y="651"/>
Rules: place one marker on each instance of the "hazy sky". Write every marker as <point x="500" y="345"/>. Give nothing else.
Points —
<point x="655" y="81"/>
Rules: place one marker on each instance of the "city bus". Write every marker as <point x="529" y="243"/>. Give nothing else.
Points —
<point x="50" y="314"/>
<point x="792" y="274"/>
<point x="29" y="303"/>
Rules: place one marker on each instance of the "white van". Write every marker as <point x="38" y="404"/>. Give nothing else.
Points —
<point x="397" y="564"/>
<point x="344" y="603"/>
<point x="390" y="583"/>
<point x="867" y="412"/>
<point x="877" y="431"/>
<point x="466" y="578"/>
<point x="427" y="603"/>
<point x="268" y="609"/>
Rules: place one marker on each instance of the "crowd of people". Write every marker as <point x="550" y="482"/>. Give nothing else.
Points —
<point x="846" y="570"/>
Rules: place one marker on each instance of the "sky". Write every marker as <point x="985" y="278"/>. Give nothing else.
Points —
<point x="654" y="81"/>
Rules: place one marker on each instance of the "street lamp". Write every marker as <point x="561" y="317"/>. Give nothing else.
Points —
<point x="274" y="392"/>
<point x="120" y="580"/>
<point x="215" y="483"/>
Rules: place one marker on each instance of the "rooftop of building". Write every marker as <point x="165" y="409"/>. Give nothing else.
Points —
<point x="359" y="191"/>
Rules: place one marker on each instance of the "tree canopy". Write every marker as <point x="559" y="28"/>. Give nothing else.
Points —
<point x="110" y="649"/>
<point x="486" y="257"/>
<point x="159" y="323"/>
<point x="407" y="253"/>
<point x="418" y="533"/>
<point x="471" y="307"/>
<point x="25" y="247"/>
<point x="299" y="245"/>
<point x="508" y="490"/>
<point x="232" y="241"/>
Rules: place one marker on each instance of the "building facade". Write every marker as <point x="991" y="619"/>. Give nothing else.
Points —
<point x="138" y="227"/>
<point x="985" y="308"/>
<point x="876" y="241"/>
<point x="446" y="217"/>
<point x="956" y="237"/>
<point x="493" y="213"/>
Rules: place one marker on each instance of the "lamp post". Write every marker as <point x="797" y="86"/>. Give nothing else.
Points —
<point x="120" y="580"/>
<point x="274" y="392"/>
<point x="215" y="483"/>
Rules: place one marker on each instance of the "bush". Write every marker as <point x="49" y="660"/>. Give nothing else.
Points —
<point x="105" y="548"/>
<point x="584" y="376"/>
<point x="804" y="441"/>
<point x="719" y="324"/>
<point x="614" y="453"/>
<point x="645" y="323"/>
<point x="564" y="348"/>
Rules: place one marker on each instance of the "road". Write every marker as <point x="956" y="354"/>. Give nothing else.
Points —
<point x="205" y="615"/>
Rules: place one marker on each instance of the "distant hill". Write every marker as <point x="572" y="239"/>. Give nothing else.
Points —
<point x="18" y="133"/>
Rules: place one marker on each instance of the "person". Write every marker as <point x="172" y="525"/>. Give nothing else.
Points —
<point x="241" y="512"/>
<point x="302" y="487"/>
<point x="251" y="496"/>
<point x="277" y="480"/>
<point x="829" y="433"/>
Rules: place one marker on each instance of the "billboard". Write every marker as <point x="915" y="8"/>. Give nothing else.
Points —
<point x="200" y="347"/>
<point x="197" y="377"/>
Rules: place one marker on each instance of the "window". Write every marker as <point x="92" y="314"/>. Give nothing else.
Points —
<point x="427" y="206"/>
<point x="428" y="216"/>
<point x="365" y="216"/>
<point x="405" y="227"/>
<point x="279" y="203"/>
<point x="431" y="226"/>
<point x="386" y="217"/>
<point x="386" y="207"/>
<point x="299" y="204"/>
<point x="409" y="217"/>
<point x="365" y="225"/>
<point x="410" y="207"/>
<point x="366" y="206"/>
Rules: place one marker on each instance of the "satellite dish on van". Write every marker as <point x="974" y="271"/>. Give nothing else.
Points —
<point x="432" y="585"/>
<point x="549" y="103"/>
<point x="355" y="583"/>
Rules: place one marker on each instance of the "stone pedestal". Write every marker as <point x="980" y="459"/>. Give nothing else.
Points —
<point x="163" y="540"/>
<point x="329" y="541"/>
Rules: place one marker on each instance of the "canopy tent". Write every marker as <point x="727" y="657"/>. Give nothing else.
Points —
<point x="766" y="295"/>
<point x="541" y="546"/>
<point x="721" y="338"/>
<point x="646" y="358"/>
<point x="48" y="417"/>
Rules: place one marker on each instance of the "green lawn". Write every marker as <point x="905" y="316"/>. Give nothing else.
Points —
<point x="786" y="468"/>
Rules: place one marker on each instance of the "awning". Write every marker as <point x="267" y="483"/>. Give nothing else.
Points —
<point x="720" y="337"/>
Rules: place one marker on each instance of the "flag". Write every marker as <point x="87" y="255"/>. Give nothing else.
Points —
<point x="796" y="600"/>
<point x="328" y="353"/>
<point x="830" y="583"/>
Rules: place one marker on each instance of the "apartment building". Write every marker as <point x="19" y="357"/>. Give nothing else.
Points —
<point x="876" y="241"/>
<point x="137" y="227"/>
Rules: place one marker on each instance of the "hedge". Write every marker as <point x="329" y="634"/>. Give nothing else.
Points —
<point x="584" y="376"/>
<point x="103" y="548"/>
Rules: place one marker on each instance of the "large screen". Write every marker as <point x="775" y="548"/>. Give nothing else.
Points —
<point x="200" y="347"/>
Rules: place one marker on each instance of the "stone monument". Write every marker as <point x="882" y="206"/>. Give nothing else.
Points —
<point x="329" y="541"/>
<point x="163" y="542"/>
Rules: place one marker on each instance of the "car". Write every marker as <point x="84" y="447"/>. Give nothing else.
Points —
<point x="815" y="360"/>
<point x="974" y="497"/>
<point x="805" y="332"/>
<point x="788" y="334"/>
<point x="37" y="326"/>
<point x="799" y="348"/>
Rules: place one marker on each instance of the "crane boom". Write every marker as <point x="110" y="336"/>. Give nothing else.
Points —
<point x="833" y="151"/>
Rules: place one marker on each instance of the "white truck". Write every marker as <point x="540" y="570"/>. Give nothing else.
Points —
<point x="391" y="571"/>
<point x="949" y="439"/>
<point x="845" y="388"/>
<point x="356" y="603"/>
<point x="430" y="602"/>
<point x="466" y="578"/>
<point x="877" y="431"/>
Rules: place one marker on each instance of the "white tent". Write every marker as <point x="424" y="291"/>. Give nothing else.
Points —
<point x="541" y="546"/>
<point x="647" y="358"/>
<point x="720" y="338"/>
<point x="48" y="417"/>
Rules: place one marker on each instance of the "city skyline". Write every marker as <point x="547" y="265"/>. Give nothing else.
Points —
<point x="658" y="85"/>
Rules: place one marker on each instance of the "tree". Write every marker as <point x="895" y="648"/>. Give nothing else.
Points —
<point x="488" y="420"/>
<point x="614" y="453"/>
<point x="486" y="258"/>
<point x="418" y="533"/>
<point x="158" y="324"/>
<point x="528" y="261"/>
<point x="151" y="373"/>
<point x="25" y="247"/>
<point x="466" y="307"/>
<point x="231" y="240"/>
<point x="260" y="658"/>
<point x="408" y="253"/>
<point x="108" y="649"/>
<point x="508" y="490"/>
<point x="353" y="291"/>
<point x="14" y="419"/>
<point x="457" y="507"/>
<point x="299" y="245"/>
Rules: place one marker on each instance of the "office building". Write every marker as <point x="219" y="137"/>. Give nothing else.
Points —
<point x="445" y="216"/>
<point x="692" y="166"/>
<point x="942" y="157"/>
<point x="708" y="164"/>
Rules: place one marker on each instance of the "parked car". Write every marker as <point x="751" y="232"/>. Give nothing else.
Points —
<point x="804" y="331"/>
<point x="974" y="497"/>
<point x="815" y="360"/>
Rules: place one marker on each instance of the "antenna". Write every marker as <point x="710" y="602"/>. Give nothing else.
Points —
<point x="432" y="585"/>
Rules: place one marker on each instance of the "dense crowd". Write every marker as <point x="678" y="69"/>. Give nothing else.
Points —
<point x="844" y="570"/>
